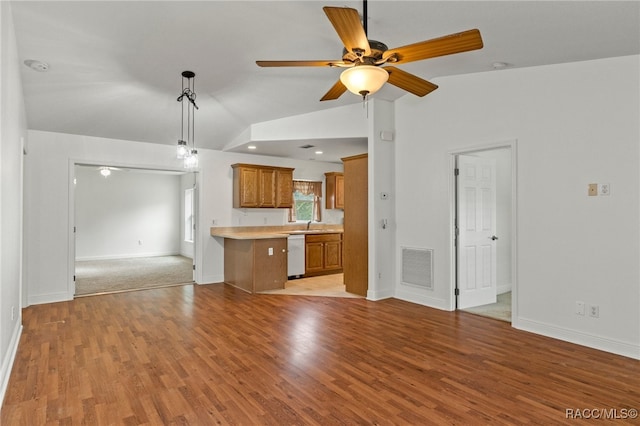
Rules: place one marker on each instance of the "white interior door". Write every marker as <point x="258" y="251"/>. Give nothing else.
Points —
<point x="476" y="188"/>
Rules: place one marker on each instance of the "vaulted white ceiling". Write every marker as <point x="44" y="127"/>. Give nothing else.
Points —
<point x="115" y="66"/>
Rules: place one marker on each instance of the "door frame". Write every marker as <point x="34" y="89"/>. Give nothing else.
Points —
<point x="453" y="254"/>
<point x="71" y="263"/>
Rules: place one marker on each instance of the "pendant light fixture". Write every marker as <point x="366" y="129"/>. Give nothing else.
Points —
<point x="104" y="171"/>
<point x="186" y="148"/>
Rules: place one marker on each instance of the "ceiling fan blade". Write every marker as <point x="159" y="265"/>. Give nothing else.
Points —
<point x="409" y="82"/>
<point x="335" y="92"/>
<point x="346" y="22"/>
<point x="447" y="45"/>
<point x="301" y="63"/>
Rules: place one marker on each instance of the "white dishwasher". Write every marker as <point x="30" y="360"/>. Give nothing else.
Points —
<point x="295" y="255"/>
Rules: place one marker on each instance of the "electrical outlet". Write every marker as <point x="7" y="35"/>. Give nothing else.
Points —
<point x="579" y="308"/>
<point x="270" y="251"/>
<point x="594" y="311"/>
<point x="604" y="189"/>
<point x="13" y="313"/>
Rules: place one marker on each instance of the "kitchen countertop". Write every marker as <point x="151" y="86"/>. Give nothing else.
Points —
<point x="267" y="232"/>
<point x="248" y="235"/>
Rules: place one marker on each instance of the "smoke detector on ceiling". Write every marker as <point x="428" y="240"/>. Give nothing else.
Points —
<point x="37" y="65"/>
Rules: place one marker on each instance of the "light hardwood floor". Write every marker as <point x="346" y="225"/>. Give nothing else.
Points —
<point x="204" y="355"/>
<point x="331" y="285"/>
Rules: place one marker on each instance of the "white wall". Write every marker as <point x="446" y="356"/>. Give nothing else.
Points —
<point x="187" y="181"/>
<point x="130" y="213"/>
<point x="48" y="219"/>
<point x="574" y="124"/>
<point x="12" y="134"/>
<point x="49" y="168"/>
<point x="381" y="179"/>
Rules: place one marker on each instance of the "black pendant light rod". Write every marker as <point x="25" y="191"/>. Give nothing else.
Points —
<point x="189" y="90"/>
<point x="364" y="16"/>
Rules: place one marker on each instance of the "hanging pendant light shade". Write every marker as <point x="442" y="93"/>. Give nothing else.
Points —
<point x="186" y="148"/>
<point x="182" y="149"/>
<point x="191" y="159"/>
<point x="364" y="79"/>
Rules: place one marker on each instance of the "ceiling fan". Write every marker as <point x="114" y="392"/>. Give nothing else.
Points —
<point x="367" y="61"/>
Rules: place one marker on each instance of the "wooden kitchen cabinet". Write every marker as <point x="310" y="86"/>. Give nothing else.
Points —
<point x="267" y="185"/>
<point x="245" y="187"/>
<point x="255" y="265"/>
<point x="323" y="254"/>
<point x="335" y="190"/>
<point x="356" y="228"/>
<point x="256" y="186"/>
<point x="314" y="257"/>
<point x="284" y="188"/>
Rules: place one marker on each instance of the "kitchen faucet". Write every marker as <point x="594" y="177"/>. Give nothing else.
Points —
<point x="308" y="223"/>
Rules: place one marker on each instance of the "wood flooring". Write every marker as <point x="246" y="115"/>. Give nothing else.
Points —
<point x="207" y="355"/>
<point x="331" y="285"/>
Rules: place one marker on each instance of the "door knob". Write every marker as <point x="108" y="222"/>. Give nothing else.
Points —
<point x="493" y="237"/>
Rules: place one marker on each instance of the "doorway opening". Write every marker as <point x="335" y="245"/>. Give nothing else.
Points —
<point x="133" y="228"/>
<point x="483" y="217"/>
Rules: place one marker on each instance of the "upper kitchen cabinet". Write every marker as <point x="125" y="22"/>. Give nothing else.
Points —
<point x="284" y="187"/>
<point x="335" y="190"/>
<point x="262" y="186"/>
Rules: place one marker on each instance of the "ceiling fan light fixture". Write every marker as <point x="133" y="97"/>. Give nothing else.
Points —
<point x="364" y="79"/>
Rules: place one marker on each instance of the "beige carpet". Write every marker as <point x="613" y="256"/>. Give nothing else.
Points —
<point x="324" y="285"/>
<point x="105" y="276"/>
<point x="500" y="310"/>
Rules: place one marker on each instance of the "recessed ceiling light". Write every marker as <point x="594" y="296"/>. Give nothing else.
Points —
<point x="37" y="65"/>
<point x="318" y="152"/>
<point x="251" y="147"/>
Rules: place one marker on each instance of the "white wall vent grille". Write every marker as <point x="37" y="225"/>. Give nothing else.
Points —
<point x="417" y="267"/>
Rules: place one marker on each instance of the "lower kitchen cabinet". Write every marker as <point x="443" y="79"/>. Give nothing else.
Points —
<point x="255" y="265"/>
<point x="323" y="254"/>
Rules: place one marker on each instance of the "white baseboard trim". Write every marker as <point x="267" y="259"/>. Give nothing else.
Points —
<point x="379" y="295"/>
<point x="431" y="302"/>
<point x="39" y="299"/>
<point x="211" y="279"/>
<point x="8" y="359"/>
<point x="503" y="288"/>
<point x="128" y="256"/>
<point x="579" y="338"/>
